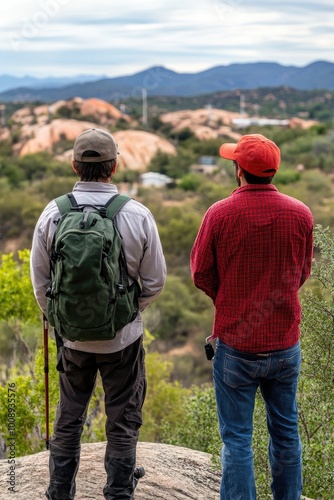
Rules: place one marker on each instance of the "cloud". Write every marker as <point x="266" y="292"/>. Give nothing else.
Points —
<point x="68" y="37"/>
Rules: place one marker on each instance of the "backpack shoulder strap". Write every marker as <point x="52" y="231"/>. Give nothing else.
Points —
<point x="115" y="203"/>
<point x="66" y="203"/>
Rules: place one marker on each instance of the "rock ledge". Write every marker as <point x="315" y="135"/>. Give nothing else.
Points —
<point x="172" y="473"/>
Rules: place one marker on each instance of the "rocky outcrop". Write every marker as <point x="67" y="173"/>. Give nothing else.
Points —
<point x="36" y="138"/>
<point x="104" y="112"/>
<point x="208" y="123"/>
<point x="211" y="123"/>
<point x="300" y="123"/>
<point x="172" y="473"/>
<point x="137" y="148"/>
<point x="40" y="128"/>
<point x="4" y="134"/>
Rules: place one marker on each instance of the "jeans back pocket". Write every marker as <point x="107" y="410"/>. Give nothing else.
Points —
<point x="239" y="371"/>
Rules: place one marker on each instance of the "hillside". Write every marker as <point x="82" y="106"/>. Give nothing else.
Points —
<point x="8" y="82"/>
<point x="160" y="81"/>
<point x="211" y="123"/>
<point x="54" y="128"/>
<point x="180" y="404"/>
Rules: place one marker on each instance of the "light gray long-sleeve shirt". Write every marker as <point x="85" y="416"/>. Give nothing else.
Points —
<point x="142" y="248"/>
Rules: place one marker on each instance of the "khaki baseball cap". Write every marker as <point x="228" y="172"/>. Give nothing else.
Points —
<point x="96" y="140"/>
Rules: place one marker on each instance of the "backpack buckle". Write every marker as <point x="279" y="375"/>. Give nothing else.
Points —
<point x="120" y="288"/>
<point x="103" y="212"/>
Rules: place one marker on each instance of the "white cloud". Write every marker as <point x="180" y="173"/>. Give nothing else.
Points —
<point x="53" y="36"/>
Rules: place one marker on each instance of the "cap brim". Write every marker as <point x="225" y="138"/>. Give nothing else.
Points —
<point x="227" y="150"/>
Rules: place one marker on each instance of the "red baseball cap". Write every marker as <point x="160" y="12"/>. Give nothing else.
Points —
<point x="255" y="153"/>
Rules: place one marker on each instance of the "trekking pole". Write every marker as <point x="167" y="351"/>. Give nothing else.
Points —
<point x="46" y="378"/>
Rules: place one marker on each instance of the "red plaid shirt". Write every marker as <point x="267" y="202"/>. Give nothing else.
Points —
<point x="251" y="255"/>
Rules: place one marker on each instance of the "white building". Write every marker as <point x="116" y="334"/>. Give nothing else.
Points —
<point x="261" y="122"/>
<point x="155" y="179"/>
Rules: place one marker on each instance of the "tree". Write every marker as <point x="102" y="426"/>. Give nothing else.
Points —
<point x="190" y="182"/>
<point x="178" y="227"/>
<point x="317" y="381"/>
<point x="18" y="307"/>
<point x="17" y="300"/>
<point x="198" y="429"/>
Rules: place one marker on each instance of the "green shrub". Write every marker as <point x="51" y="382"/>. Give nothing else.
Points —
<point x="19" y="214"/>
<point x="286" y="176"/>
<point x="317" y="381"/>
<point x="29" y="418"/>
<point x="199" y="428"/>
<point x="190" y="182"/>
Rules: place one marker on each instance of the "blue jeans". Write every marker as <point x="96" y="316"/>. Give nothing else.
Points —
<point x="237" y="375"/>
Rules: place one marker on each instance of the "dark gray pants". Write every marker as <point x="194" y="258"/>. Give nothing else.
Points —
<point x="124" y="384"/>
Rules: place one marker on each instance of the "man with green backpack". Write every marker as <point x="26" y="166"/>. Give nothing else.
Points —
<point x="96" y="263"/>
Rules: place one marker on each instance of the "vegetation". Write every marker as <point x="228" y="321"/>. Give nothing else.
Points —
<point x="180" y="405"/>
<point x="317" y="383"/>
<point x="174" y="414"/>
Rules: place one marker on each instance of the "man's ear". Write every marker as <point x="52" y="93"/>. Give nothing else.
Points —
<point x="73" y="166"/>
<point x="114" y="168"/>
<point x="240" y="172"/>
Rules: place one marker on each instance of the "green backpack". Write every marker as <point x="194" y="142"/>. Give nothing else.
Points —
<point x="89" y="297"/>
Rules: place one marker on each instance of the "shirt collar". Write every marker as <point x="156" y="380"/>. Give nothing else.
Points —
<point x="255" y="187"/>
<point x="91" y="186"/>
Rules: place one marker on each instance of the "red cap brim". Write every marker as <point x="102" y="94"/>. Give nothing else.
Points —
<point x="227" y="150"/>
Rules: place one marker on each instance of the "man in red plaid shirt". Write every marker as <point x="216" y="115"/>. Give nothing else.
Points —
<point x="252" y="254"/>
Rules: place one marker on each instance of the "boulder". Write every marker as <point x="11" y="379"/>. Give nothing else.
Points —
<point x="138" y="147"/>
<point x="102" y="110"/>
<point x="171" y="472"/>
<point x="38" y="138"/>
<point x="208" y="123"/>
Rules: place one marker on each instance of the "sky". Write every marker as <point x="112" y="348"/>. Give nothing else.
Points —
<point x="59" y="38"/>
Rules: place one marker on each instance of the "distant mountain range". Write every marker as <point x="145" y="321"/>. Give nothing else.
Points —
<point x="8" y="82"/>
<point x="160" y="81"/>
